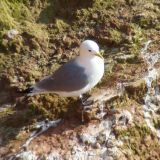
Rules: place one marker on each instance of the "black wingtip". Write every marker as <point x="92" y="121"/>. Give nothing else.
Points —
<point x="26" y="91"/>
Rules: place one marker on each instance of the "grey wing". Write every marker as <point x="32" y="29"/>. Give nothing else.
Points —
<point x="69" y="77"/>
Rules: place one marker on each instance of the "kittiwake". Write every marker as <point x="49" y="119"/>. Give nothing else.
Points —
<point x="75" y="77"/>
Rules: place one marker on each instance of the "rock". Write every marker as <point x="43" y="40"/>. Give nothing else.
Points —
<point x="12" y="33"/>
<point x="26" y="155"/>
<point x="89" y="139"/>
<point x="136" y="89"/>
<point x="122" y="58"/>
<point x="124" y="118"/>
<point x="49" y="36"/>
<point x="100" y="98"/>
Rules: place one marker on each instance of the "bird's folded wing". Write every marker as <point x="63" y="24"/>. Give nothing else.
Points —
<point x="69" y="77"/>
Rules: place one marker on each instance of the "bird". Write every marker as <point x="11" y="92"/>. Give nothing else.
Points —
<point x="76" y="77"/>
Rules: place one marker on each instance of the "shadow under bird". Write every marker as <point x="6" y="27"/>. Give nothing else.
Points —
<point x="75" y="77"/>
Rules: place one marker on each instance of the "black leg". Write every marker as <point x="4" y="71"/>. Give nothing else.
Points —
<point x="84" y="100"/>
<point x="86" y="105"/>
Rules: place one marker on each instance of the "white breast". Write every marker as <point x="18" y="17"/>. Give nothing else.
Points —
<point x="94" y="68"/>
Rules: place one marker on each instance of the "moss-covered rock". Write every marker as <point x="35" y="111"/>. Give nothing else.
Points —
<point x="49" y="33"/>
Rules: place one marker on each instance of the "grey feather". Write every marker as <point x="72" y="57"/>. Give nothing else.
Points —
<point x="69" y="77"/>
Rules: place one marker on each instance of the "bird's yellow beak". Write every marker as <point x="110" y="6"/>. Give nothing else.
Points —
<point x="99" y="55"/>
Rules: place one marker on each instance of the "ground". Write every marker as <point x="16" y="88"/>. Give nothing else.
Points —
<point x="37" y="36"/>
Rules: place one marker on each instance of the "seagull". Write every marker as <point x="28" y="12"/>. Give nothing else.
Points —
<point x="75" y="77"/>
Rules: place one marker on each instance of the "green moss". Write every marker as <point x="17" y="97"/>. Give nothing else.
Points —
<point x="48" y="31"/>
<point x="138" y="141"/>
<point x="36" y="30"/>
<point x="156" y="123"/>
<point x="14" y="12"/>
<point x="5" y="11"/>
<point x="61" y="25"/>
<point x="12" y="121"/>
<point x="107" y="4"/>
<point x="115" y="36"/>
<point x="157" y="26"/>
<point x="139" y="131"/>
<point x="7" y="111"/>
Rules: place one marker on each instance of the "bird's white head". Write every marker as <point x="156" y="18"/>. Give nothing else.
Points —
<point x="89" y="48"/>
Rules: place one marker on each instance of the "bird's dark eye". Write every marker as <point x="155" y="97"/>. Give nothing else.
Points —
<point x="89" y="50"/>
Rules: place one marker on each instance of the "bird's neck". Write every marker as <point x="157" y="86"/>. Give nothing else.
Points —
<point x="89" y="61"/>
